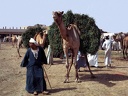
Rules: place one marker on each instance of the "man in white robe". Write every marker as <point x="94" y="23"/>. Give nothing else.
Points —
<point x="93" y="60"/>
<point x="49" y="55"/>
<point x="107" y="46"/>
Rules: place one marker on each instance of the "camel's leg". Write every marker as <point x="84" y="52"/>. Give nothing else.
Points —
<point x="74" y="61"/>
<point x="18" y="48"/>
<point x="70" y="63"/>
<point x="18" y="51"/>
<point x="124" y="52"/>
<point x="12" y="44"/>
<point x="67" y="64"/>
<point x="74" y="54"/>
<point x="69" y="67"/>
<point x="16" y="44"/>
<point x="127" y="52"/>
<point x="76" y="66"/>
<point x="92" y="76"/>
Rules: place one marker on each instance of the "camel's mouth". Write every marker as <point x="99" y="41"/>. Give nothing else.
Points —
<point x="54" y="16"/>
<point x="55" y="19"/>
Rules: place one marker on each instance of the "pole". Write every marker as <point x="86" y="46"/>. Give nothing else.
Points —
<point x="47" y="77"/>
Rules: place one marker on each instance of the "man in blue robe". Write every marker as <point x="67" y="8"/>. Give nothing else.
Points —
<point x="80" y="60"/>
<point x="33" y="61"/>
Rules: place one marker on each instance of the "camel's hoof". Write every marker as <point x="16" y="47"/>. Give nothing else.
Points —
<point x="78" y="81"/>
<point x="67" y="66"/>
<point x="66" y="81"/>
<point x="93" y="76"/>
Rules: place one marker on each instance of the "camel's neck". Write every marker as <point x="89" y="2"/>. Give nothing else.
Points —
<point x="63" y="30"/>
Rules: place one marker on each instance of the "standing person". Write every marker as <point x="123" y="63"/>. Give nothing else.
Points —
<point x="93" y="60"/>
<point x="33" y="61"/>
<point x="49" y="55"/>
<point x="107" y="46"/>
<point x="81" y="62"/>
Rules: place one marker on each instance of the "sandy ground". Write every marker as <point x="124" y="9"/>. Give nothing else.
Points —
<point x="108" y="82"/>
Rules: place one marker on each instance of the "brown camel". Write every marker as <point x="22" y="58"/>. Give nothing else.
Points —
<point x="71" y="41"/>
<point x="38" y="37"/>
<point x="122" y="38"/>
<point x="41" y="38"/>
<point x="119" y="37"/>
<point x="125" y="47"/>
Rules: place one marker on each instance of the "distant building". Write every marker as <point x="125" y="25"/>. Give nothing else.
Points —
<point x="9" y="32"/>
<point x="17" y="31"/>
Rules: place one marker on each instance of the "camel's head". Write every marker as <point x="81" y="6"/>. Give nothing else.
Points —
<point x="57" y="16"/>
<point x="120" y="36"/>
<point x="45" y="32"/>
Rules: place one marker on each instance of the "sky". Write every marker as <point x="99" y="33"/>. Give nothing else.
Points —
<point x="109" y="15"/>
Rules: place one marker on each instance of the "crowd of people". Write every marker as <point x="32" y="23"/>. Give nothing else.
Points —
<point x="35" y="58"/>
<point x="93" y="59"/>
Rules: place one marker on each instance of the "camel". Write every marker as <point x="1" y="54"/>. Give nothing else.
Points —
<point x="41" y="38"/>
<point x="119" y="37"/>
<point x="14" y="40"/>
<point x="122" y="38"/>
<point x="125" y="47"/>
<point x="115" y="44"/>
<point x="7" y="39"/>
<point x="19" y="44"/>
<point x="71" y="40"/>
<point x="38" y="37"/>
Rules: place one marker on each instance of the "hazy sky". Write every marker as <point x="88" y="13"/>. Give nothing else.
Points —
<point x="110" y="15"/>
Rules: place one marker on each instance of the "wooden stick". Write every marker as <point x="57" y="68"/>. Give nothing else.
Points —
<point x="47" y="77"/>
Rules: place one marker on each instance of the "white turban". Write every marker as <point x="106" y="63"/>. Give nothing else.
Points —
<point x="33" y="41"/>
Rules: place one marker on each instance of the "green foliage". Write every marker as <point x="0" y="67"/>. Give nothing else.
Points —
<point x="89" y="38"/>
<point x="90" y="34"/>
<point x="30" y="33"/>
<point x="68" y="17"/>
<point x="55" y="40"/>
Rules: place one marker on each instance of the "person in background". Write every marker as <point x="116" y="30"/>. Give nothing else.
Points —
<point x="81" y="62"/>
<point x="49" y="55"/>
<point x="33" y="61"/>
<point x="93" y="60"/>
<point x="107" y="46"/>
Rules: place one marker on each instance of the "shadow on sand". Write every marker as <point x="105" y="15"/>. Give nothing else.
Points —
<point x="61" y="89"/>
<point x="106" y="79"/>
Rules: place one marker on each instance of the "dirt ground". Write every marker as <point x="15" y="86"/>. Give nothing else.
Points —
<point x="108" y="82"/>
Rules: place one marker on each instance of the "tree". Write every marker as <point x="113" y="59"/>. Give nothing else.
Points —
<point x="55" y="40"/>
<point x="89" y="38"/>
<point x="30" y="33"/>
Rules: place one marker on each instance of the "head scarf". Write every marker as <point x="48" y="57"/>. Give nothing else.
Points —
<point x="33" y="41"/>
